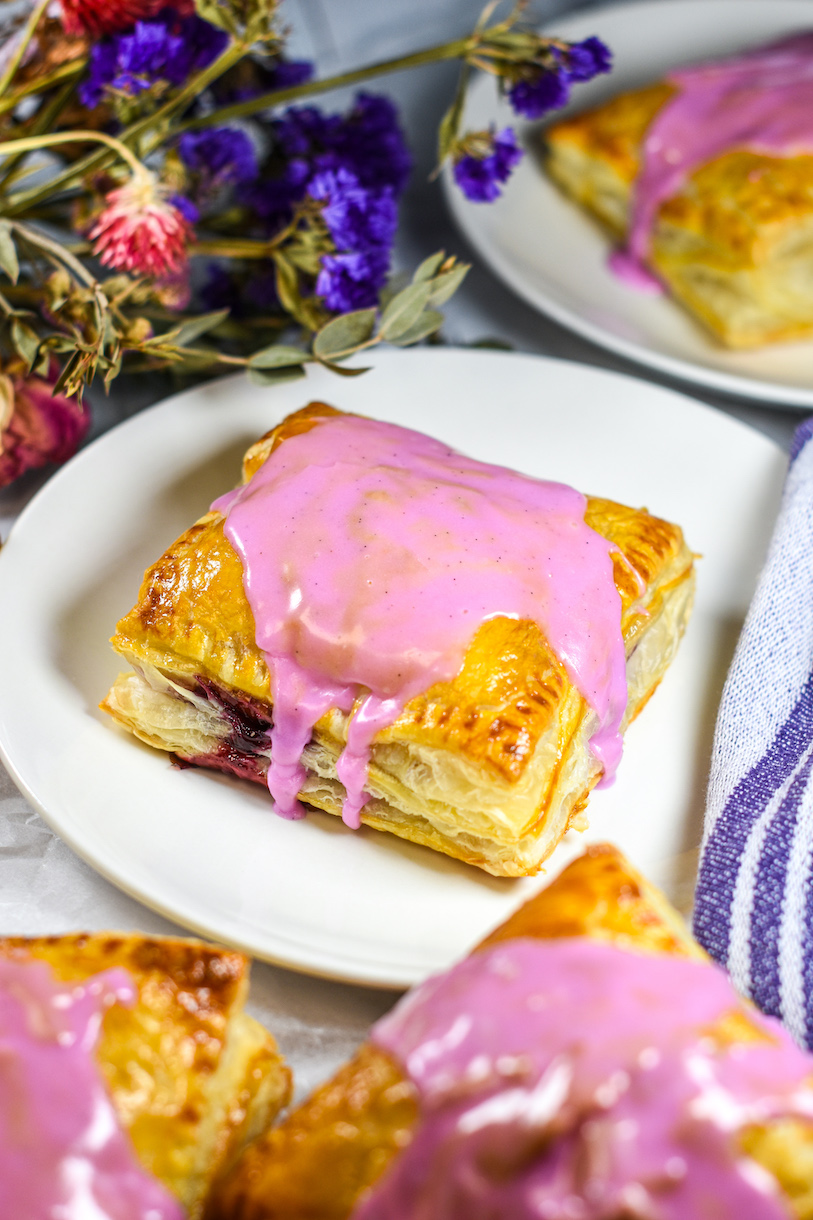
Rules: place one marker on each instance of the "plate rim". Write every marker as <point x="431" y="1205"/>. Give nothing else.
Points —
<point x="773" y="395"/>
<point x="307" y="961"/>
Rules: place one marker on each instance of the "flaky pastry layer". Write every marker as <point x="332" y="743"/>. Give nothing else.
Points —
<point x="490" y="768"/>
<point x="734" y="244"/>
<point x="192" y="1077"/>
<point x="338" y="1143"/>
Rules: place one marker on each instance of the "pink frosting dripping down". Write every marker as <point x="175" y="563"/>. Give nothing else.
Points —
<point x="571" y="1080"/>
<point x="63" y="1154"/>
<point x="762" y="101"/>
<point x="372" y="554"/>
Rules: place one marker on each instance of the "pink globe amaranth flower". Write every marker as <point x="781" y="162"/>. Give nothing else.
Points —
<point x="42" y="427"/>
<point x="101" y="17"/>
<point x="139" y="230"/>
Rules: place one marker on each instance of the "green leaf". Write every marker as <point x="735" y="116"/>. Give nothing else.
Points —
<point x="26" y="342"/>
<point x="404" y="310"/>
<point x="429" y="267"/>
<point x="344" y="335"/>
<point x="447" y="133"/>
<point x="274" y="376"/>
<point x="444" y="286"/>
<point x="192" y="329"/>
<point x="277" y="357"/>
<point x="427" y="324"/>
<point x="8" y="253"/>
<point x="343" y="370"/>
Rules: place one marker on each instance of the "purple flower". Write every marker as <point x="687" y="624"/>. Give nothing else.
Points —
<point x="479" y="178"/>
<point x="588" y="59"/>
<point x="286" y="73"/>
<point x="219" y="155"/>
<point x="547" y="89"/>
<point x="355" y="217"/>
<point x="352" y="280"/>
<point x="168" y="49"/>
<point x="186" y="207"/>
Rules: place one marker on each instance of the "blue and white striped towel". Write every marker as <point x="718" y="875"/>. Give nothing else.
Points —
<point x="754" y="899"/>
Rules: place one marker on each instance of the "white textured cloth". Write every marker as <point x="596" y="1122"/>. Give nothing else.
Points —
<point x="754" y="899"/>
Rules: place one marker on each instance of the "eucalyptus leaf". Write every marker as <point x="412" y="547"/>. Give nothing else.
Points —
<point x="343" y="370"/>
<point x="404" y="310"/>
<point x="195" y="327"/>
<point x="344" y="335"/>
<point x="26" y="342"/>
<point x="277" y="357"/>
<point x="444" y="286"/>
<point x="429" y="268"/>
<point x="8" y="253"/>
<point x="427" y="324"/>
<point x="274" y="376"/>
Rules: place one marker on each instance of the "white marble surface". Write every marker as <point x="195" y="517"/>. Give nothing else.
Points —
<point x="43" y="886"/>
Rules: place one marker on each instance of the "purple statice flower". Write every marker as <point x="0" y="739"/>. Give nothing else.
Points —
<point x="545" y="89"/>
<point x="362" y="224"/>
<point x="588" y="59"/>
<point x="219" y="155"/>
<point x="536" y="95"/>
<point x="186" y="207"/>
<point x="286" y="73"/>
<point x="480" y="178"/>
<point x="168" y="49"/>
<point x="368" y="141"/>
<point x="352" y="279"/>
<point x="219" y="290"/>
<point x="355" y="216"/>
<point x="261" y="290"/>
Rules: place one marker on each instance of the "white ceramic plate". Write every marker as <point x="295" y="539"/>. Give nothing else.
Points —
<point x="552" y="254"/>
<point x="205" y="849"/>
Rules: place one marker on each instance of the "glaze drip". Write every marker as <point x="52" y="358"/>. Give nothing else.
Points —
<point x="372" y="554"/>
<point x="63" y="1153"/>
<point x="571" y="1080"/>
<point x="762" y="101"/>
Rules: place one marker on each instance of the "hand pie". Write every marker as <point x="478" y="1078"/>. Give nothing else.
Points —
<point x="435" y="647"/>
<point x="190" y="1075"/>
<point x="707" y="176"/>
<point x="495" y="1091"/>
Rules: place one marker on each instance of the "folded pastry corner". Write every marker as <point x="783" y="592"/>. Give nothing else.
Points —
<point x="191" y="1076"/>
<point x="707" y="178"/>
<point x="441" y="1108"/>
<point x="490" y="764"/>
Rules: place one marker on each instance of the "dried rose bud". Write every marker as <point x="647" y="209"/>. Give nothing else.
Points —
<point x="100" y="17"/>
<point x="36" y="425"/>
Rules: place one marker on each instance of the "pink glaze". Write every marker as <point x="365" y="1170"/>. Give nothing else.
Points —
<point x="372" y="554"/>
<point x="570" y="1080"/>
<point x="762" y="101"/>
<point x="63" y="1155"/>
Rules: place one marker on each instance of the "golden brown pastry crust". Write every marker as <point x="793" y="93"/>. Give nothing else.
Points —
<point x="192" y="1077"/>
<point x="734" y="244"/>
<point x="490" y="767"/>
<point x="316" y="1165"/>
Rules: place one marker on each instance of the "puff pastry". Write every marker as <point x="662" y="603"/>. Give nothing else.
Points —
<point x="329" y="1153"/>
<point x="490" y="767"/>
<point x="192" y="1077"/>
<point x="732" y="241"/>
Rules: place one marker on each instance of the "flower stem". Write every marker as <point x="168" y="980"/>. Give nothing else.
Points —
<point x="22" y="47"/>
<point x="40" y="85"/>
<point x="52" y="138"/>
<point x="278" y="97"/>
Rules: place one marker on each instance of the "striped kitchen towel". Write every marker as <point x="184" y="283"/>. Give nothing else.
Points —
<point x="754" y="899"/>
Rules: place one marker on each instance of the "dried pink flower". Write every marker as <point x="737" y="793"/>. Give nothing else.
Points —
<point x="100" y="17"/>
<point x="36" y="425"/>
<point x="140" y="230"/>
